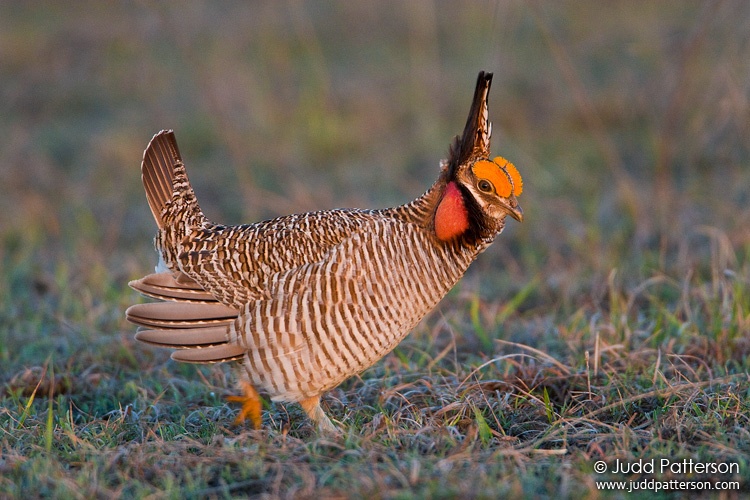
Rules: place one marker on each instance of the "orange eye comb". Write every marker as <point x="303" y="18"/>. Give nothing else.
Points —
<point x="515" y="176"/>
<point x="502" y="174"/>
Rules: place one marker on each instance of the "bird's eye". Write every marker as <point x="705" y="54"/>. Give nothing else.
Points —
<point x="485" y="186"/>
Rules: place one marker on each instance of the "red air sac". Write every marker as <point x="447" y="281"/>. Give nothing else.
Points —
<point x="451" y="217"/>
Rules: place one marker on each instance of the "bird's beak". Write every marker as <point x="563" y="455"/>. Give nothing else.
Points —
<point x="513" y="208"/>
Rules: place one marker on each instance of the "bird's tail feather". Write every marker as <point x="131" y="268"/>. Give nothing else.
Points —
<point x="166" y="182"/>
<point x="188" y="318"/>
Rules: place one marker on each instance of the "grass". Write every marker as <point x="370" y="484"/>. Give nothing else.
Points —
<point x="614" y="324"/>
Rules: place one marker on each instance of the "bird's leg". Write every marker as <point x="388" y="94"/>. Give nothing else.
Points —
<point x="316" y="414"/>
<point x="251" y="405"/>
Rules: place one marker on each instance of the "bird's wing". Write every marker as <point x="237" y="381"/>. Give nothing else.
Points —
<point x="338" y="315"/>
<point x="327" y="312"/>
<point x="236" y="263"/>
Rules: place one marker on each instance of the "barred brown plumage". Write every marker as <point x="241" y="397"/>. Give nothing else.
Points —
<point x="308" y="300"/>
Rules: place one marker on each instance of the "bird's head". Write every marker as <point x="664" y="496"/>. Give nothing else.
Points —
<point x="479" y="191"/>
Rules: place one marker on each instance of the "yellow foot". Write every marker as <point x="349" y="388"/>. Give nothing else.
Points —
<point x="251" y="405"/>
<point x="315" y="412"/>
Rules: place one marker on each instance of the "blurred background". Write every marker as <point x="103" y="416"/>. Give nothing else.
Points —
<point x="630" y="122"/>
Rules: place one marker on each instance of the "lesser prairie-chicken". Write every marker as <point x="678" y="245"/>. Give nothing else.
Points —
<point x="306" y="301"/>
